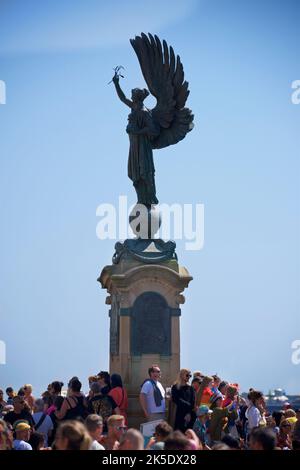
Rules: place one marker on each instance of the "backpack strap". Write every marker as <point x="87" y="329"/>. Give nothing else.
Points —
<point x="40" y="421"/>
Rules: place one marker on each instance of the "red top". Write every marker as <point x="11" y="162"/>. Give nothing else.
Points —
<point x="119" y="395"/>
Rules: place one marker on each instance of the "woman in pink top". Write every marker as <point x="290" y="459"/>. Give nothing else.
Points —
<point x="119" y="395"/>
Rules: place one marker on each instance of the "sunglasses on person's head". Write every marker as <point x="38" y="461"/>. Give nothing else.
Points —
<point x="188" y="376"/>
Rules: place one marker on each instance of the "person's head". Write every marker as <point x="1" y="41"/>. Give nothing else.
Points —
<point x="22" y="430"/>
<point x="10" y="392"/>
<point x="285" y="427"/>
<point x="94" y="425"/>
<point x="138" y="95"/>
<point x="183" y="377"/>
<point x="216" y="400"/>
<point x="48" y="399"/>
<point x="198" y="374"/>
<point x="207" y="381"/>
<point x="27" y="389"/>
<point x="222" y="387"/>
<point x="75" y="386"/>
<point x="162" y="431"/>
<point x="104" y="379"/>
<point x="256" y="397"/>
<point x="116" y="381"/>
<point x="116" y="426"/>
<point x="132" y="439"/>
<point x="36" y="440"/>
<point x="58" y="401"/>
<point x="96" y="388"/>
<point x="92" y="379"/>
<point x="203" y="413"/>
<point x="262" y="439"/>
<point x="5" y="436"/>
<point x="231" y="392"/>
<point x="277" y="415"/>
<point x="232" y="442"/>
<point x="21" y="392"/>
<point x="18" y="403"/>
<point x="217" y="380"/>
<point x="72" y="435"/>
<point x="220" y="446"/>
<point x="177" y="441"/>
<point x="56" y="387"/>
<point x="154" y="372"/>
<point x="290" y="413"/>
<point x="196" y="382"/>
<point x="194" y="441"/>
<point x="39" y="405"/>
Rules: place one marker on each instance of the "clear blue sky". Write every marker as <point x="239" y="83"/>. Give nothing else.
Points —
<point x="63" y="151"/>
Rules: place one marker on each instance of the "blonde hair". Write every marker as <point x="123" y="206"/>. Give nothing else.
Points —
<point x="28" y="387"/>
<point x="113" y="419"/>
<point x="76" y="434"/>
<point x="181" y="374"/>
<point x="290" y="413"/>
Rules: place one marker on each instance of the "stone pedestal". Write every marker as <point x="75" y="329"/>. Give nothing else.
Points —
<point x="145" y="285"/>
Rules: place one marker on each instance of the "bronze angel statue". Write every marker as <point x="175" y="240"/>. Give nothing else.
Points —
<point x="166" y="124"/>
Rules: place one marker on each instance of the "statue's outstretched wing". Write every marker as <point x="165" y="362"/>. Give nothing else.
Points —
<point x="165" y="79"/>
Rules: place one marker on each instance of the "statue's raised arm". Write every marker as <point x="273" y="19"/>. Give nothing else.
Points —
<point x="120" y="92"/>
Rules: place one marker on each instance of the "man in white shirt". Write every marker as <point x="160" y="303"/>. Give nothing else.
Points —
<point x="152" y="396"/>
<point x="22" y="430"/>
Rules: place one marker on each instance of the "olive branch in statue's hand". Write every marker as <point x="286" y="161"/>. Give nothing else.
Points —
<point x="117" y="74"/>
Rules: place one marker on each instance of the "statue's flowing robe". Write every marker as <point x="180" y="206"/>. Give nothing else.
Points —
<point x="140" y="161"/>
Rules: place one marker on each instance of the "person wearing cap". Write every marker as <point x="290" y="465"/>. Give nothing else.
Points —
<point x="200" y="426"/>
<point x="220" y="416"/>
<point x="22" y="430"/>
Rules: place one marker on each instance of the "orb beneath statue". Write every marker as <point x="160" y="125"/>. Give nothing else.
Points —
<point x="145" y="221"/>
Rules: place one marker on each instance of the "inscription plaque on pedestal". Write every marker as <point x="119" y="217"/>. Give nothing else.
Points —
<point x="150" y="325"/>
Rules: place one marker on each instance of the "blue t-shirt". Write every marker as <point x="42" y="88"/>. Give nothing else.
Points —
<point x="21" y="445"/>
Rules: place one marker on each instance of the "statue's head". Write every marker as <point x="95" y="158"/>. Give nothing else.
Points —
<point x="138" y="94"/>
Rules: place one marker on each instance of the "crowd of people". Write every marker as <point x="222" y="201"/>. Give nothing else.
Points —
<point x="198" y="412"/>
